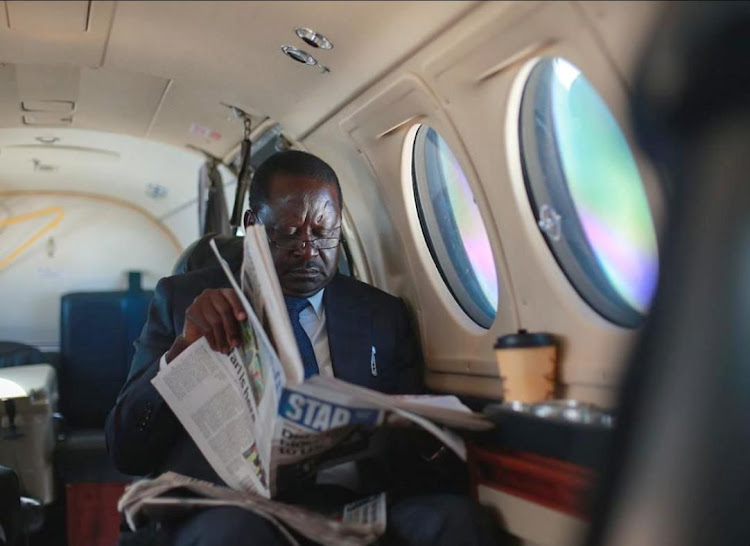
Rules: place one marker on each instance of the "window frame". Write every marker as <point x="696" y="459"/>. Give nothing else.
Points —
<point x="439" y="252"/>
<point x="578" y="262"/>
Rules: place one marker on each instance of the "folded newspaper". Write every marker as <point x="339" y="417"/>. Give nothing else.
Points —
<point x="261" y="425"/>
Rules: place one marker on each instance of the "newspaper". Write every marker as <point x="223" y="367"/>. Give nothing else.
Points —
<point x="255" y="418"/>
<point x="358" y="523"/>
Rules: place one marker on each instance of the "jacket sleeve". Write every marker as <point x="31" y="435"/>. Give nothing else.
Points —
<point x="408" y="353"/>
<point x="141" y="427"/>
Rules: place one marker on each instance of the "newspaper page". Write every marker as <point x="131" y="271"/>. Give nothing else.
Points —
<point x="267" y="375"/>
<point x="358" y="524"/>
<point x="261" y="284"/>
<point x="316" y="427"/>
<point x="198" y="385"/>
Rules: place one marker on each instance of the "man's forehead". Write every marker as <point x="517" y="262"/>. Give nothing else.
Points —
<point x="290" y="191"/>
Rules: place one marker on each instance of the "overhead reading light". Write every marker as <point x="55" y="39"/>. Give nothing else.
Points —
<point x="303" y="57"/>
<point x="312" y="38"/>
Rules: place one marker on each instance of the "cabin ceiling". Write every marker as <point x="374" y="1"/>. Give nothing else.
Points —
<point x="92" y="163"/>
<point x="160" y="70"/>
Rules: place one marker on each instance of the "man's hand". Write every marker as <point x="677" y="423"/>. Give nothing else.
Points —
<point x="215" y="314"/>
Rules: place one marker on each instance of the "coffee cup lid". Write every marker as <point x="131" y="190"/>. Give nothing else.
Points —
<point x="525" y="339"/>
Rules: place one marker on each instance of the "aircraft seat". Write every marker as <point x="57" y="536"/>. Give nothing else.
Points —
<point x="19" y="354"/>
<point x="10" y="505"/>
<point x="97" y="331"/>
<point x="199" y="255"/>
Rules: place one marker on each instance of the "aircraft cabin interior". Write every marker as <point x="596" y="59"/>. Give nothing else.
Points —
<point x="530" y="178"/>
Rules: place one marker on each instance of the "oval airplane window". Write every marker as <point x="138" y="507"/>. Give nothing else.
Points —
<point x="453" y="227"/>
<point x="586" y="192"/>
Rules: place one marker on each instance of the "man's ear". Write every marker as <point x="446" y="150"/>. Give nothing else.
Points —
<point x="251" y="218"/>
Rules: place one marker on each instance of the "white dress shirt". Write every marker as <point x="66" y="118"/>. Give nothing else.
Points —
<point x="313" y="321"/>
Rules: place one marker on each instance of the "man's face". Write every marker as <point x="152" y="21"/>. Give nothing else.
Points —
<point x="302" y="209"/>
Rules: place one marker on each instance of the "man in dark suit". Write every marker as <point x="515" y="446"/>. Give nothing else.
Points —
<point x="343" y="328"/>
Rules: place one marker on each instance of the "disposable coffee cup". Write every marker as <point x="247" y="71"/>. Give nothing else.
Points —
<point x="527" y="363"/>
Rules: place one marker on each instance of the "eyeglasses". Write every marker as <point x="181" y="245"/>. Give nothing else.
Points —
<point x="290" y="242"/>
<point x="299" y="244"/>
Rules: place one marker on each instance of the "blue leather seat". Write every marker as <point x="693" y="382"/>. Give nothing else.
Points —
<point x="10" y="505"/>
<point x="97" y="331"/>
<point x="18" y="354"/>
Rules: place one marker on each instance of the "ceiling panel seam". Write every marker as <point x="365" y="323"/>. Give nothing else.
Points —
<point x="105" y="49"/>
<point x="158" y="108"/>
<point x="88" y="16"/>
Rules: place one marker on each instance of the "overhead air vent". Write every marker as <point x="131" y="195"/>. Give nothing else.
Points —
<point x="302" y="56"/>
<point x="57" y="106"/>
<point x="299" y="55"/>
<point x="312" y="38"/>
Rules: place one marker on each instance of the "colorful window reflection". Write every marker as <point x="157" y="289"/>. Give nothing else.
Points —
<point x="453" y="227"/>
<point x="587" y="193"/>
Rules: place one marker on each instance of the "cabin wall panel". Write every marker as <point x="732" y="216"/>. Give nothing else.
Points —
<point x="486" y="114"/>
<point x="94" y="246"/>
<point x="466" y="77"/>
<point x="378" y="129"/>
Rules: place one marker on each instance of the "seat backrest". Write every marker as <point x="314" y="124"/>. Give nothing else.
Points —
<point x="18" y="354"/>
<point x="97" y="331"/>
<point x="199" y="255"/>
<point x="10" y="504"/>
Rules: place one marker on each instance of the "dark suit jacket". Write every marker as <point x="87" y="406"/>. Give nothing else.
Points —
<point x="143" y="435"/>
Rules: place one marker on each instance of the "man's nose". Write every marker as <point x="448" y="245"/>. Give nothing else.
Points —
<point x="307" y="251"/>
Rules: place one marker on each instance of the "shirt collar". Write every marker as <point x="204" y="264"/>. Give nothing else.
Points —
<point x="316" y="300"/>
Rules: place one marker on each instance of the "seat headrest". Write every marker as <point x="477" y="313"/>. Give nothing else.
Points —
<point x="199" y="254"/>
<point x="19" y="354"/>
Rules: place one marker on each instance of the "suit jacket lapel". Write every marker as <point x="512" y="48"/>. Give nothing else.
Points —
<point x="349" y="326"/>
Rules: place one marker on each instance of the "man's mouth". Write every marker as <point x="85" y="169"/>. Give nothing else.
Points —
<point x="304" y="273"/>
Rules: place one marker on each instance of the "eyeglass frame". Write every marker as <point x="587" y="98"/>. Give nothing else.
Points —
<point x="299" y="244"/>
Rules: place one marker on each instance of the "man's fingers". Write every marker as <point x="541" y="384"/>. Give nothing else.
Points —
<point x="215" y="314"/>
<point x="234" y="301"/>
<point x="230" y="325"/>
<point x="204" y="321"/>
